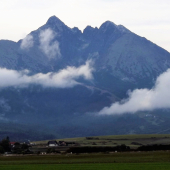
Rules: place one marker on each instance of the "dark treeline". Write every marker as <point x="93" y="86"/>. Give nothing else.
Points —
<point x="153" y="147"/>
<point x="91" y="149"/>
<point x="119" y="148"/>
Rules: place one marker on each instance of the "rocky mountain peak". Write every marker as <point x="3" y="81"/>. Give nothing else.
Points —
<point x="53" y="20"/>
<point x="55" y="23"/>
<point x="76" y="30"/>
<point x="108" y="24"/>
<point x="90" y="31"/>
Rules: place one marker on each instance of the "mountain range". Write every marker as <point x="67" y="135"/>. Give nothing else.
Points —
<point x="56" y="80"/>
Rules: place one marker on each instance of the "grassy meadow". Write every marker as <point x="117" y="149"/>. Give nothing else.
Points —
<point x="120" y="161"/>
<point x="133" y="141"/>
<point x="155" y="166"/>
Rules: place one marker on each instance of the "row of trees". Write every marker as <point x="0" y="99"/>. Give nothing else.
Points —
<point x="91" y="149"/>
<point x="119" y="148"/>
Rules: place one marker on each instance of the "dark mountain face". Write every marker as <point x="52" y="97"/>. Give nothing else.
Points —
<point x="121" y="61"/>
<point x="127" y="55"/>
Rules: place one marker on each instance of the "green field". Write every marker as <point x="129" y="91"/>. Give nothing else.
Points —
<point x="157" y="160"/>
<point x="119" y="161"/>
<point x="98" y="166"/>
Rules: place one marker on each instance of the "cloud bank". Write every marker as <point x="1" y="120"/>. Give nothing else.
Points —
<point x="65" y="78"/>
<point x="27" y="42"/>
<point x="144" y="99"/>
<point x="51" y="49"/>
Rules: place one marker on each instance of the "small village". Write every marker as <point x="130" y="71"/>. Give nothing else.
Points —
<point x="52" y="146"/>
<point x="103" y="144"/>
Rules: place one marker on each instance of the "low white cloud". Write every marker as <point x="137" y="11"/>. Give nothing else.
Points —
<point x="65" y="78"/>
<point x="51" y="49"/>
<point x="144" y="99"/>
<point x="27" y="42"/>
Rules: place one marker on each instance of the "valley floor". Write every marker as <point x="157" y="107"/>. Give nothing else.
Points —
<point x="156" y="160"/>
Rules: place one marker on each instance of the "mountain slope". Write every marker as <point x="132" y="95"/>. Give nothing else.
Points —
<point x="121" y="61"/>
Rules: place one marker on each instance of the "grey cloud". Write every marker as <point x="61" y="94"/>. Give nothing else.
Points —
<point x="51" y="49"/>
<point x="65" y="78"/>
<point x="144" y="99"/>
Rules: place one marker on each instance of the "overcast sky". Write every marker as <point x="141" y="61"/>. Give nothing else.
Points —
<point x="147" y="18"/>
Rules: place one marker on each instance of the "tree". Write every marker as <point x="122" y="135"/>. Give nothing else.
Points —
<point x="5" y="144"/>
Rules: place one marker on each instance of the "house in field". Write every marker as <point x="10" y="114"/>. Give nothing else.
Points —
<point x="52" y="143"/>
<point x="12" y="144"/>
<point x="62" y="143"/>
